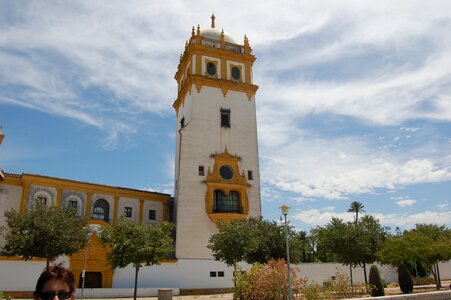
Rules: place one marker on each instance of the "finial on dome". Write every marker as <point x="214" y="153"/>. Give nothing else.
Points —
<point x="198" y="29"/>
<point x="213" y="21"/>
<point x="193" y="32"/>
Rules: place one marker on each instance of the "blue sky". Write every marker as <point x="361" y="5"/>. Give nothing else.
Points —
<point x="354" y="99"/>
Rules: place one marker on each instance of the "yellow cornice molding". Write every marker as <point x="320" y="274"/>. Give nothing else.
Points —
<point x="87" y="187"/>
<point x="224" y="85"/>
<point x="194" y="48"/>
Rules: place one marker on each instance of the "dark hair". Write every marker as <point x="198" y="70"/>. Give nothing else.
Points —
<point x="56" y="272"/>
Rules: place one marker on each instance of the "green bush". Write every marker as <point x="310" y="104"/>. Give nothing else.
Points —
<point x="375" y="281"/>
<point x="337" y="288"/>
<point x="423" y="281"/>
<point x="405" y="279"/>
<point x="6" y="297"/>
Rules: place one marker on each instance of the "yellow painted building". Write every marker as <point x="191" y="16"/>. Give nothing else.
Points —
<point x="102" y="205"/>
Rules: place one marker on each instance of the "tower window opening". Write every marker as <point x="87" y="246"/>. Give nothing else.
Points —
<point x="250" y="176"/>
<point x="182" y="122"/>
<point x="220" y="273"/>
<point x="211" y="68"/>
<point x="236" y="74"/>
<point x="201" y="171"/>
<point x="225" y="118"/>
<point x="226" y="203"/>
<point x="212" y="274"/>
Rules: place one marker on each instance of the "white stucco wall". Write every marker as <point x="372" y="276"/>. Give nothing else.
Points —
<point x="202" y="137"/>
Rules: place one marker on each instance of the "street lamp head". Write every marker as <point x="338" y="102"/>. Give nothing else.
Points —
<point x="284" y="208"/>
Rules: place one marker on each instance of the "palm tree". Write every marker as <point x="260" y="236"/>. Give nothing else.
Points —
<point x="356" y="207"/>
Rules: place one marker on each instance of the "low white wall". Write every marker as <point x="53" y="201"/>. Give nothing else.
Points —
<point x="120" y="293"/>
<point x="184" y="274"/>
<point x="19" y="275"/>
<point x="320" y="272"/>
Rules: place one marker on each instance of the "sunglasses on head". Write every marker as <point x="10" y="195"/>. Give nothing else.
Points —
<point x="50" y="295"/>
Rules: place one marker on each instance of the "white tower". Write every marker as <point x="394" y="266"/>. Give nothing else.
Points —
<point x="216" y="160"/>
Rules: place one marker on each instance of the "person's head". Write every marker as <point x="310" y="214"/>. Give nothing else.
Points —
<point x="55" y="281"/>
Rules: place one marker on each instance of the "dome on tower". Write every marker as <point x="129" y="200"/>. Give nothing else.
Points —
<point x="215" y="33"/>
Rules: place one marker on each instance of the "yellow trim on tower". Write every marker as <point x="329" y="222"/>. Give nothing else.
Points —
<point x="237" y="183"/>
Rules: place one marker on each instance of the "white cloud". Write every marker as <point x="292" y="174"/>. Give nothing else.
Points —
<point x="442" y="205"/>
<point x="315" y="167"/>
<point x="406" y="202"/>
<point x="317" y="217"/>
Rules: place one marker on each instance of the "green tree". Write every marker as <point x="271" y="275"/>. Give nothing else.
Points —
<point x="353" y="244"/>
<point x="426" y="243"/>
<point x="44" y="231"/>
<point x="356" y="207"/>
<point x="137" y="244"/>
<point x="270" y="238"/>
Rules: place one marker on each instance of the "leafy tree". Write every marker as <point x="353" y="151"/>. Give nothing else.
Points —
<point x="356" y="207"/>
<point x="425" y="244"/>
<point x="233" y="242"/>
<point x="254" y="240"/>
<point x="45" y="232"/>
<point x="137" y="244"/>
<point x="405" y="279"/>
<point x="377" y="287"/>
<point x="353" y="244"/>
<point x="270" y="238"/>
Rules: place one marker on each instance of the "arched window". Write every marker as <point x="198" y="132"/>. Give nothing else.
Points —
<point x="101" y="210"/>
<point x="226" y="203"/>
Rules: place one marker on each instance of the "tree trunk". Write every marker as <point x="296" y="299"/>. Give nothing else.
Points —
<point x="434" y="273"/>
<point x="439" y="280"/>
<point x="136" y="282"/>
<point x="350" y="274"/>
<point x="364" y="272"/>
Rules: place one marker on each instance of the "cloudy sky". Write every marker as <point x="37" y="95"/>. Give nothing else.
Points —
<point x="354" y="101"/>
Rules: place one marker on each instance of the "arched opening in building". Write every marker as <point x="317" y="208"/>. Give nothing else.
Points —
<point x="101" y="210"/>
<point x="223" y="203"/>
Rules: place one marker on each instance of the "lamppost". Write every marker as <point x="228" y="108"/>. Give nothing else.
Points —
<point x="285" y="208"/>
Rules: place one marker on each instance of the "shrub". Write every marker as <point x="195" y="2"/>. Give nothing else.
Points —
<point x="423" y="281"/>
<point x="375" y="281"/>
<point x="267" y="282"/>
<point x="337" y="288"/>
<point x="405" y="279"/>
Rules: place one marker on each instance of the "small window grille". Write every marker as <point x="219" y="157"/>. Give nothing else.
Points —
<point x="250" y="175"/>
<point x="201" y="171"/>
<point x="221" y="274"/>
<point x="212" y="274"/>
<point x="42" y="200"/>
<point x="152" y="214"/>
<point x="73" y="204"/>
<point x="225" y="118"/>
<point x="127" y="212"/>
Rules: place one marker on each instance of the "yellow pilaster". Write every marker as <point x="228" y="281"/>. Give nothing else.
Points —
<point x="141" y="210"/>
<point x="247" y="70"/>
<point x="88" y="204"/>
<point x="115" y="209"/>
<point x="198" y="64"/>
<point x="23" y="201"/>
<point x="223" y="69"/>
<point x="165" y="211"/>
<point x="59" y="196"/>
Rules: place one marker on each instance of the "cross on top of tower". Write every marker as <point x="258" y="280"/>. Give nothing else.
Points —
<point x="213" y="21"/>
